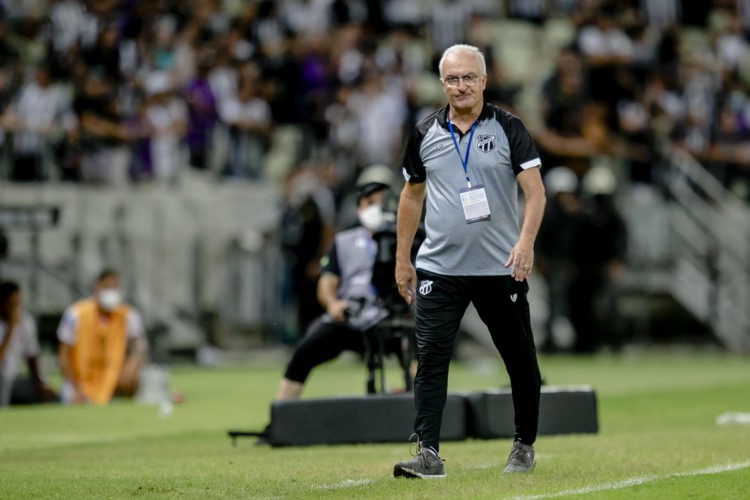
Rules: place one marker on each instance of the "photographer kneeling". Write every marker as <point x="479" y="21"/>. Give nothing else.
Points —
<point x="345" y="290"/>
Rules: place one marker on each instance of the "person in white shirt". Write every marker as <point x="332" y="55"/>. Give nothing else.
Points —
<point x="39" y="116"/>
<point x="103" y="345"/>
<point x="166" y="117"/>
<point x="248" y="117"/>
<point x="18" y="344"/>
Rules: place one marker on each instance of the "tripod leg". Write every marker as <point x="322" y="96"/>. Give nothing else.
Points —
<point x="381" y="364"/>
<point x="371" y="364"/>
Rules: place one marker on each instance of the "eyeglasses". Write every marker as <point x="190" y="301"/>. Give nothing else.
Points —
<point x="470" y="80"/>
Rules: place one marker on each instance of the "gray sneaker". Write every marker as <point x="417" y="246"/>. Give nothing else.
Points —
<point x="426" y="464"/>
<point x="521" y="458"/>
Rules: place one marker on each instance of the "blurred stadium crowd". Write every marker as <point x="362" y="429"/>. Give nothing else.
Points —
<point x="115" y="91"/>
<point x="304" y="94"/>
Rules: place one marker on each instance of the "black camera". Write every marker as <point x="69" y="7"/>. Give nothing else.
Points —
<point x="384" y="268"/>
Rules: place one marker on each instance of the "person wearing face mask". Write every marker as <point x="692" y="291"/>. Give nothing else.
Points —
<point x="345" y="290"/>
<point x="103" y="345"/>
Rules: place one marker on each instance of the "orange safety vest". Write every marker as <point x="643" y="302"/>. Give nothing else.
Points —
<point x="99" y="351"/>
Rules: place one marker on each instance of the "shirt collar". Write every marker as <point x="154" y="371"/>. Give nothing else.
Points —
<point x="443" y="115"/>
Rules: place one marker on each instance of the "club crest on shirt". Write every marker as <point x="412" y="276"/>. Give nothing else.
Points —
<point x="425" y="287"/>
<point x="486" y="143"/>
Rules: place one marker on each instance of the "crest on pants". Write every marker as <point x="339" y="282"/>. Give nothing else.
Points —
<point x="425" y="287"/>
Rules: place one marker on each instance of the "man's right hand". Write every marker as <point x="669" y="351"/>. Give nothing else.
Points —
<point x="406" y="280"/>
<point x="336" y="310"/>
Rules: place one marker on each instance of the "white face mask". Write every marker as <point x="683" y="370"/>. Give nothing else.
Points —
<point x="371" y="217"/>
<point x="109" y="298"/>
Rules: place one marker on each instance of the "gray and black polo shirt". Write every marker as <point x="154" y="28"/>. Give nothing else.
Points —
<point x="501" y="148"/>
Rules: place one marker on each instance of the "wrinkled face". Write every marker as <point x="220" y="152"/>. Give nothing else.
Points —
<point x="456" y="67"/>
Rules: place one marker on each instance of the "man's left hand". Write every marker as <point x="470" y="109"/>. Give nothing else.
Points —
<point x="521" y="261"/>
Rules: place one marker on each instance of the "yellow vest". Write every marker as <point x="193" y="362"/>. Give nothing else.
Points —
<point x="99" y="351"/>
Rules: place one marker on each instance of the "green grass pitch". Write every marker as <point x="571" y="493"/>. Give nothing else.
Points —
<point x="658" y="439"/>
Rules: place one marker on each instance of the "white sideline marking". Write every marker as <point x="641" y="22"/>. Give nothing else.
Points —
<point x="346" y="483"/>
<point x="636" y="481"/>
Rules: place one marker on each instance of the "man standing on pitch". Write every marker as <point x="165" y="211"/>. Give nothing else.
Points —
<point x="467" y="160"/>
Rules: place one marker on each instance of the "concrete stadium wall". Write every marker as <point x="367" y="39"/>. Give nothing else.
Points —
<point x="177" y="247"/>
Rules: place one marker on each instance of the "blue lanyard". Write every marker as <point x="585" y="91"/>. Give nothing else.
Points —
<point x="464" y="161"/>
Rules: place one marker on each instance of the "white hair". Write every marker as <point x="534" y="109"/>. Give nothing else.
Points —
<point x="462" y="47"/>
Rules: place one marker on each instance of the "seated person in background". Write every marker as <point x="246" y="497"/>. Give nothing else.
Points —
<point x="345" y="282"/>
<point x="19" y="342"/>
<point x="103" y="345"/>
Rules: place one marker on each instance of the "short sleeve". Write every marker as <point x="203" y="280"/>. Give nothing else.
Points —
<point x="412" y="166"/>
<point x="66" y="331"/>
<point x="523" y="152"/>
<point x="31" y="339"/>
<point x="134" y="325"/>
<point x="330" y="261"/>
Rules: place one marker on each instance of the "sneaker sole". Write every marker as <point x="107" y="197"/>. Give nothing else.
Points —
<point x="519" y="471"/>
<point x="410" y="474"/>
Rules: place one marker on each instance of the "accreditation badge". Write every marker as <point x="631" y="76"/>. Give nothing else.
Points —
<point x="474" y="203"/>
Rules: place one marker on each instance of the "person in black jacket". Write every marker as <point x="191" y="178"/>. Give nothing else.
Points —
<point x="555" y="246"/>
<point x="599" y="256"/>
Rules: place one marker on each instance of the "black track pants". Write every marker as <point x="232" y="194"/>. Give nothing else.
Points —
<point x="501" y="303"/>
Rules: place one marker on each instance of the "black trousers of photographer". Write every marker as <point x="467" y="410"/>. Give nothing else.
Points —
<point x="324" y="341"/>
<point x="502" y="305"/>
